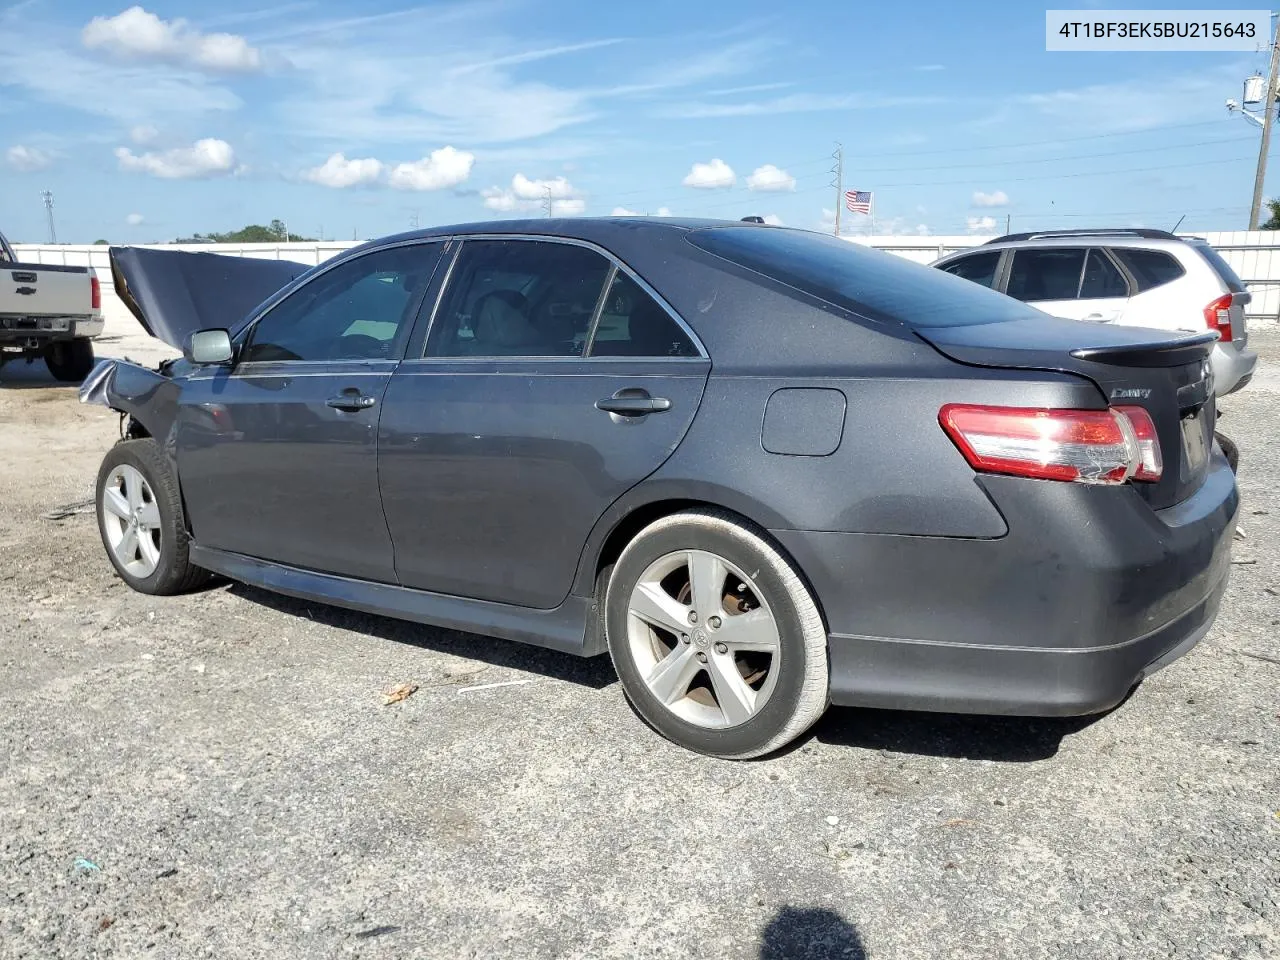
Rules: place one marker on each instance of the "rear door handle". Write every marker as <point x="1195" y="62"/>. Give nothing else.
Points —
<point x="351" y="402"/>
<point x="633" y="405"/>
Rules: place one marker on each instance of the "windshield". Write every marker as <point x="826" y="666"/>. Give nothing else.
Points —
<point x="874" y="284"/>
<point x="1220" y="267"/>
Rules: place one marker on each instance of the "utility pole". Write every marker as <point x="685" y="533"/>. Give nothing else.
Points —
<point x="48" y="209"/>
<point x="548" y="203"/>
<point x="1008" y="223"/>
<point x="837" y="173"/>
<point x="1269" y="107"/>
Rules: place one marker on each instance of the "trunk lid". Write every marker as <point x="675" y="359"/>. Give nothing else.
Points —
<point x="1168" y="375"/>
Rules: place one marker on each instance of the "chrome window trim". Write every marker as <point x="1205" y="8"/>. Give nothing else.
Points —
<point x="573" y="242"/>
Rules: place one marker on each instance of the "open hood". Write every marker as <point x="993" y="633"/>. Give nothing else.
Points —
<point x="174" y="293"/>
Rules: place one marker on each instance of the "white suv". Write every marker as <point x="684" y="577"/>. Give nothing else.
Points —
<point x="1142" y="278"/>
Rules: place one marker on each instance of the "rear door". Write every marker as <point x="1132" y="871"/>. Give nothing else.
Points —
<point x="550" y="383"/>
<point x="278" y="456"/>
<point x="1079" y="283"/>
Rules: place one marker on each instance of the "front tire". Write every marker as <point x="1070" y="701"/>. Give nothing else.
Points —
<point x="141" y="521"/>
<point x="717" y="640"/>
<point x="69" y="360"/>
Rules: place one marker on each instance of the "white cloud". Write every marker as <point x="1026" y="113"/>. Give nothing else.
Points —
<point x="997" y="198"/>
<point x="143" y="133"/>
<point x="664" y="212"/>
<point x="529" y="195"/>
<point x="773" y="219"/>
<point x="339" y="172"/>
<point x="204" y="158"/>
<point x="795" y="103"/>
<point x="980" y="224"/>
<point x="624" y="212"/>
<point x="570" y="207"/>
<point x="28" y="159"/>
<point x="135" y="219"/>
<point x="770" y="178"/>
<point x="709" y="176"/>
<point x="526" y="189"/>
<point x="138" y="34"/>
<point x="445" y="167"/>
<point x="495" y="198"/>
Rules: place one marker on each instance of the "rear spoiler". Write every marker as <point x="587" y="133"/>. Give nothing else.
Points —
<point x="174" y="293"/>
<point x="1170" y="353"/>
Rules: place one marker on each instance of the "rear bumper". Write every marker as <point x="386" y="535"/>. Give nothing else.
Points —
<point x="24" y="331"/>
<point x="1232" y="368"/>
<point x="1089" y="592"/>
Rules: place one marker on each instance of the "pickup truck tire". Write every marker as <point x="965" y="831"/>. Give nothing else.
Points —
<point x="69" y="360"/>
<point x="137" y="497"/>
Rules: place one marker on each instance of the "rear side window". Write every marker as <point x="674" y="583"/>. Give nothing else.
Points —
<point x="1051" y="273"/>
<point x="632" y="324"/>
<point x="1102" y="278"/>
<point x="1220" y="267"/>
<point x="869" y="282"/>
<point x="976" y="267"/>
<point x="1150" y="268"/>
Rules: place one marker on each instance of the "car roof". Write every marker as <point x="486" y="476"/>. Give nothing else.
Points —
<point x="572" y="228"/>
<point x="1136" y="237"/>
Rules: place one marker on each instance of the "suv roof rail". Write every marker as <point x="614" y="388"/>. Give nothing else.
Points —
<point x="1142" y="232"/>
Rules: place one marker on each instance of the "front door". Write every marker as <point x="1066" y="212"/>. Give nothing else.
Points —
<point x="552" y="382"/>
<point x="278" y="454"/>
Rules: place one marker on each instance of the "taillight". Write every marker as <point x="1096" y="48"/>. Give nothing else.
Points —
<point x="1218" y="316"/>
<point x="95" y="292"/>
<point x="1084" y="446"/>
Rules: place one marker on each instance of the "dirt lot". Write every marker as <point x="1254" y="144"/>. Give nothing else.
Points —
<point x="215" y="775"/>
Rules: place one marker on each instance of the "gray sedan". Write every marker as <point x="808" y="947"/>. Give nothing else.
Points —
<point x="764" y="469"/>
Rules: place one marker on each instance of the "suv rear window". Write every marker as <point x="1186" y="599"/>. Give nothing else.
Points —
<point x="1220" y="266"/>
<point x="1150" y="268"/>
<point x="875" y="284"/>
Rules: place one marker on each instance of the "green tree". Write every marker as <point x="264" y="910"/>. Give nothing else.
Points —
<point x="254" y="233"/>
<point x="97" y="242"/>
<point x="1274" y="222"/>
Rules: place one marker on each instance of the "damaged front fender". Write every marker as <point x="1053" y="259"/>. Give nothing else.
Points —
<point x="148" y="397"/>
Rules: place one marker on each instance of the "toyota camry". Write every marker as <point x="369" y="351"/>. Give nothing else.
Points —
<point x="765" y="470"/>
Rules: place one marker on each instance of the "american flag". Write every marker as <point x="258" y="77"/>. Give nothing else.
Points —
<point x="858" y="201"/>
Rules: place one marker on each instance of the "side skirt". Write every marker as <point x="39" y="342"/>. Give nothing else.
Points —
<point x="563" y="628"/>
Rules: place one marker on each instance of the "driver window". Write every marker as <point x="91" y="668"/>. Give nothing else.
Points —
<point x="359" y="310"/>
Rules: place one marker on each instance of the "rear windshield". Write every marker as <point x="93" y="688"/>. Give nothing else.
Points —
<point x="1220" y="267"/>
<point x="874" y="284"/>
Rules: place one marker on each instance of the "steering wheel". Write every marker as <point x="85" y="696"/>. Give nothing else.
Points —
<point x="359" y="346"/>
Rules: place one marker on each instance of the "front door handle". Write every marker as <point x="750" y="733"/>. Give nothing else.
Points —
<point x="351" y="401"/>
<point x="638" y="404"/>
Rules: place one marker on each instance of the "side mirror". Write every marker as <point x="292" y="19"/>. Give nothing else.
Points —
<point x="212" y="347"/>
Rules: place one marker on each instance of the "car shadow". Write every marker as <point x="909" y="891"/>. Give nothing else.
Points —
<point x="593" y="672"/>
<point x="20" y="375"/>
<point x="810" y="934"/>
<point x="949" y="735"/>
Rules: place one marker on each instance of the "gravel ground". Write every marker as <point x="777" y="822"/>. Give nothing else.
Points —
<point x="215" y="775"/>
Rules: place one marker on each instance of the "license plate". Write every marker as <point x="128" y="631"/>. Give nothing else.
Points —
<point x="1193" y="442"/>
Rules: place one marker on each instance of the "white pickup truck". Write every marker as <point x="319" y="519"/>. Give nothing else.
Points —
<point x="50" y="312"/>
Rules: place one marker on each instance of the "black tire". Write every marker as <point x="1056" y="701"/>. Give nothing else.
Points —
<point x="801" y="690"/>
<point x="69" y="360"/>
<point x="174" y="573"/>
<point x="1229" y="450"/>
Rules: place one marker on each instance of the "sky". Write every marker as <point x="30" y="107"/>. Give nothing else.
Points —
<point x="363" y="119"/>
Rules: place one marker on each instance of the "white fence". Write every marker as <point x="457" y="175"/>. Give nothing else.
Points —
<point x="1255" y="256"/>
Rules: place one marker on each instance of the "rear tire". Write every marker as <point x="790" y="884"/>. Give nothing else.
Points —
<point x="717" y="640"/>
<point x="141" y="520"/>
<point x="1229" y="450"/>
<point x="69" y="360"/>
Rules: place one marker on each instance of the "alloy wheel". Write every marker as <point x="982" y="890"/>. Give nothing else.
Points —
<point x="131" y="519"/>
<point x="703" y="638"/>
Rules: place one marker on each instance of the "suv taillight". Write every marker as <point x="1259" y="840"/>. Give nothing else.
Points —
<point x="1218" y="316"/>
<point x="1083" y="446"/>
<point x="95" y="292"/>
